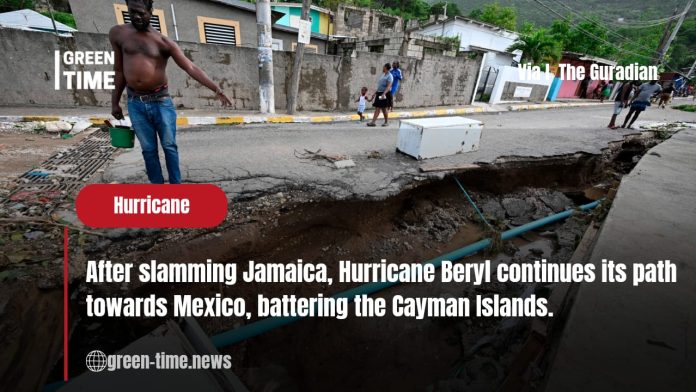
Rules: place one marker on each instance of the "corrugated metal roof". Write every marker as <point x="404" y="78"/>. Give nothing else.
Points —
<point x="586" y="57"/>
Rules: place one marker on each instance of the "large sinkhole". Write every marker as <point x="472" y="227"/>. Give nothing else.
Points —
<point x="428" y="220"/>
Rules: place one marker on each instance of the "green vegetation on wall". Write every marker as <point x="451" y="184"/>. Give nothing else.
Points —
<point x="62" y="17"/>
<point x="14" y="5"/>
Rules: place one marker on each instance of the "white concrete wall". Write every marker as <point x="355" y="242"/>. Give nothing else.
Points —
<point x="511" y="74"/>
<point x="473" y="34"/>
<point x="497" y="60"/>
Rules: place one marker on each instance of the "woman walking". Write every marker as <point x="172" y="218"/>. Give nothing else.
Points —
<point x="382" y="97"/>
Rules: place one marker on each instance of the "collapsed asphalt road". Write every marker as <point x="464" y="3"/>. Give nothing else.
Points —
<point x="250" y="160"/>
<point x="417" y="224"/>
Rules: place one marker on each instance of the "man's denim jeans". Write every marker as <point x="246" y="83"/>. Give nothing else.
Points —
<point x="151" y="119"/>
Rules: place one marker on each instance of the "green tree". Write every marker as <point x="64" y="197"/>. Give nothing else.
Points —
<point x="14" y="5"/>
<point x="591" y="37"/>
<point x="439" y="8"/>
<point x="65" y="18"/>
<point x="408" y="9"/>
<point x="333" y="4"/>
<point x="560" y="30"/>
<point x="497" y="15"/>
<point x="640" y="46"/>
<point x="683" y="50"/>
<point x="537" y="46"/>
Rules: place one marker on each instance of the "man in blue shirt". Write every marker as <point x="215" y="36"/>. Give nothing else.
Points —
<point x="396" y="73"/>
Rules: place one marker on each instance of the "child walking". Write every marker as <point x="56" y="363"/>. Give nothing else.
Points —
<point x="362" y="102"/>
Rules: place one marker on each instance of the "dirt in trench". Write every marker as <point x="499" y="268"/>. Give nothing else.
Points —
<point x="364" y="354"/>
<point x="439" y="355"/>
<point x="405" y="354"/>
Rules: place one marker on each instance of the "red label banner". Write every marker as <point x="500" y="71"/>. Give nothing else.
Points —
<point x="151" y="206"/>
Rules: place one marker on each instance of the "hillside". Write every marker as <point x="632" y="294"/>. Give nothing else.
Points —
<point x="607" y="10"/>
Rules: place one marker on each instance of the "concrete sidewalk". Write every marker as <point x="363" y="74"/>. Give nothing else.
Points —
<point x="624" y="338"/>
<point x="98" y="115"/>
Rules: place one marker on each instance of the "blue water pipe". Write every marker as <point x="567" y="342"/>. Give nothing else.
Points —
<point x="483" y="219"/>
<point x="262" y="326"/>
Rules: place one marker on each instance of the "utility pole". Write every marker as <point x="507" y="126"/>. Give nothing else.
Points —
<point x="664" y="44"/>
<point x="50" y="12"/>
<point x="657" y="56"/>
<point x="678" y="26"/>
<point x="691" y="71"/>
<point x="265" y="55"/>
<point x="297" y="66"/>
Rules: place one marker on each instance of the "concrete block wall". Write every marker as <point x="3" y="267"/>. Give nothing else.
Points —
<point x="327" y="82"/>
<point x="414" y="50"/>
<point x="341" y="28"/>
<point x="436" y="81"/>
<point x="370" y="22"/>
<point x="401" y="44"/>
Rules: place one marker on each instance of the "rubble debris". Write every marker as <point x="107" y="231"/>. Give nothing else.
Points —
<point x="374" y="155"/>
<point x="492" y="209"/>
<point x="556" y="201"/>
<point x="344" y="164"/>
<point x="316" y="155"/>
<point x="33" y="235"/>
<point x="80" y="126"/>
<point x="518" y="210"/>
<point x="336" y="160"/>
<point x="57" y="126"/>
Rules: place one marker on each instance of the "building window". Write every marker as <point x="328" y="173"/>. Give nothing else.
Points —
<point x="308" y="48"/>
<point x="277" y="44"/>
<point x="157" y="21"/>
<point x="219" y="31"/>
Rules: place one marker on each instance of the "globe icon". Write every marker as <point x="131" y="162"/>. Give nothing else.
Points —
<point x="96" y="361"/>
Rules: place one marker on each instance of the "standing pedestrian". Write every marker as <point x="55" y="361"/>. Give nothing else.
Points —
<point x="641" y="101"/>
<point x="382" y="96"/>
<point x="583" y="87"/>
<point x="396" y="73"/>
<point x="666" y="96"/>
<point x="141" y="54"/>
<point x="606" y="92"/>
<point x="362" y="102"/>
<point x="597" y="92"/>
<point x="624" y="95"/>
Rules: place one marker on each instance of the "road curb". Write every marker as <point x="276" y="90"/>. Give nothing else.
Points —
<point x="284" y="119"/>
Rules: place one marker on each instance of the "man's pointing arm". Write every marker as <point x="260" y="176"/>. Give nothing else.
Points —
<point x="195" y="72"/>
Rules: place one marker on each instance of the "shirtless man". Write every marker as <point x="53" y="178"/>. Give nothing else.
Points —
<point x="141" y="54"/>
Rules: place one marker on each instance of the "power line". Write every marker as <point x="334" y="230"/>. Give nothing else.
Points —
<point x="635" y="24"/>
<point x="595" y="22"/>
<point x="598" y="24"/>
<point x="620" y="49"/>
<point x="644" y="24"/>
<point x="588" y="33"/>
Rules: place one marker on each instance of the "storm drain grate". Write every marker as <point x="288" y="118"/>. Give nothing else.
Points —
<point x="64" y="173"/>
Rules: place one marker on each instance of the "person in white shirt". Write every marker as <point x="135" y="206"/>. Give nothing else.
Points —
<point x="362" y="102"/>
